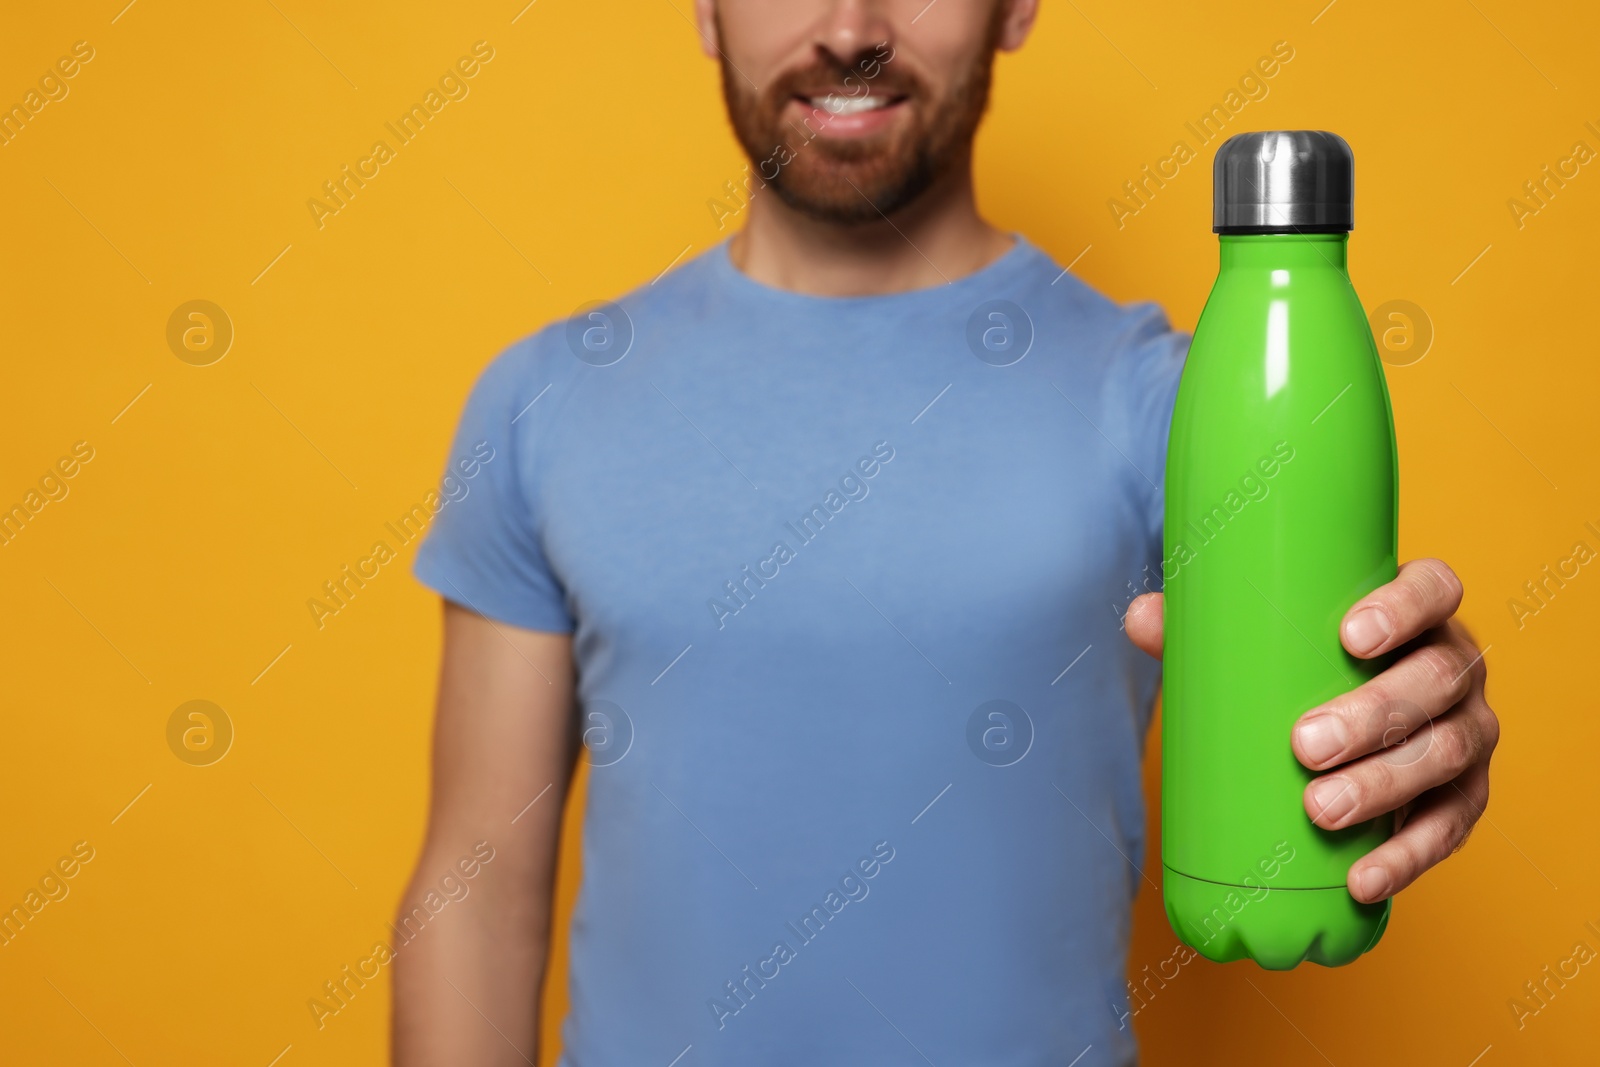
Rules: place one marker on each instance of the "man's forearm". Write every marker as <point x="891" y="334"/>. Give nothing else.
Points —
<point x="467" y="970"/>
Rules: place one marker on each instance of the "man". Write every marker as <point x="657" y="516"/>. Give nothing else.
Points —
<point x="822" y="541"/>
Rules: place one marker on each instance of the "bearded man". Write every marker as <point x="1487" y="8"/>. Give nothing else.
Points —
<point x="823" y="545"/>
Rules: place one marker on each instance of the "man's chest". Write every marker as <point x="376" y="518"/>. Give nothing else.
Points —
<point x="675" y="508"/>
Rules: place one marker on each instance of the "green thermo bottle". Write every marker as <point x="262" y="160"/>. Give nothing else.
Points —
<point x="1281" y="512"/>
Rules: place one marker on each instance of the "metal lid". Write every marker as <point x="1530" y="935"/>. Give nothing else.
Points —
<point x="1283" y="181"/>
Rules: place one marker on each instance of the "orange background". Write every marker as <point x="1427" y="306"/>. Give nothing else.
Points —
<point x="178" y="566"/>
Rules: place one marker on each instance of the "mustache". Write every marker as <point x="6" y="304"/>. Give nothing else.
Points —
<point x="870" y="70"/>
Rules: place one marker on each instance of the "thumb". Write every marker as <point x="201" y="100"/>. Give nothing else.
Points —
<point x="1143" y="623"/>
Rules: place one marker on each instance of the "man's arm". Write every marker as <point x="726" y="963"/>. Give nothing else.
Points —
<point x="466" y="984"/>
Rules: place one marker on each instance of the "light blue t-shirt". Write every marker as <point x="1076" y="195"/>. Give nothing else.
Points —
<point x="845" y="578"/>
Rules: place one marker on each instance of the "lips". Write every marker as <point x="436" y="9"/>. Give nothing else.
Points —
<point x="846" y="115"/>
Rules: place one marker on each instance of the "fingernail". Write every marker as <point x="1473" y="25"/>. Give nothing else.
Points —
<point x="1373" y="884"/>
<point x="1366" y="630"/>
<point x="1332" y="799"/>
<point x="1320" y="738"/>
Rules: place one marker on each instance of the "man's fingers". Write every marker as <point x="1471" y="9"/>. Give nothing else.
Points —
<point x="1383" y="712"/>
<point x="1373" y="785"/>
<point x="1143" y="623"/>
<point x="1424" y="594"/>
<point x="1436" y="827"/>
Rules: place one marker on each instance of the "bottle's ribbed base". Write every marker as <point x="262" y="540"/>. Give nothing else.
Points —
<point x="1278" y="928"/>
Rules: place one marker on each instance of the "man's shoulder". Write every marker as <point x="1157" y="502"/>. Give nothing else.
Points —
<point x="602" y="331"/>
<point x="1066" y="301"/>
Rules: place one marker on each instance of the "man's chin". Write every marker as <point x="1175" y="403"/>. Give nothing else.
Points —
<point x="849" y="195"/>
<point x="854" y="212"/>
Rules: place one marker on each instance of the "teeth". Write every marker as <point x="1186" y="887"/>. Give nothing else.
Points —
<point x="837" y="104"/>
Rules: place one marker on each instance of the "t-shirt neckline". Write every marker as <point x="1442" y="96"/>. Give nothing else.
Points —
<point x="986" y="277"/>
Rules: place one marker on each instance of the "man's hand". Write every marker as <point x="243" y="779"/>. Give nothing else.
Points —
<point x="1415" y="740"/>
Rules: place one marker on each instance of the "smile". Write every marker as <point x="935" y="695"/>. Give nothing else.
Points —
<point x="840" y="104"/>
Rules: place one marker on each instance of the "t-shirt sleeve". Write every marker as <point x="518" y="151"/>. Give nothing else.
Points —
<point x="1152" y="361"/>
<point x="483" y="549"/>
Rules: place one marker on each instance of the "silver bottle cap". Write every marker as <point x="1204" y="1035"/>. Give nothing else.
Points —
<point x="1283" y="181"/>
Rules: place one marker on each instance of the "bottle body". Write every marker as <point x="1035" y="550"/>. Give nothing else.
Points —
<point x="1281" y="512"/>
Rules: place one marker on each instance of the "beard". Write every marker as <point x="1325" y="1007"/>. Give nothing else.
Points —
<point x="858" y="180"/>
